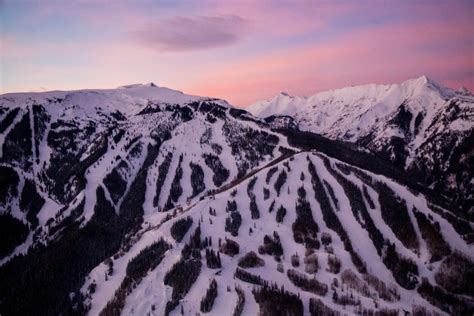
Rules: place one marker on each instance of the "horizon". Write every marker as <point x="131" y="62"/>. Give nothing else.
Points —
<point x="154" y="84"/>
<point x="234" y="50"/>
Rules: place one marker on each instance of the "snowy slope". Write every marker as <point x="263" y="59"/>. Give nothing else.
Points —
<point x="352" y="112"/>
<point x="416" y="124"/>
<point x="132" y="200"/>
<point x="65" y="144"/>
<point x="151" y="295"/>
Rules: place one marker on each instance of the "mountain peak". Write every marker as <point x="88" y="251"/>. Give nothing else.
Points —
<point x="418" y="83"/>
<point x="463" y="90"/>
<point x="423" y="78"/>
<point x="137" y="85"/>
<point x="425" y="81"/>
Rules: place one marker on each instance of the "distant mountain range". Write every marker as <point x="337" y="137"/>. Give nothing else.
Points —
<point x="419" y="125"/>
<point x="142" y="200"/>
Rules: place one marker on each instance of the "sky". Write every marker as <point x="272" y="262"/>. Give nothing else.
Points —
<point x="241" y="51"/>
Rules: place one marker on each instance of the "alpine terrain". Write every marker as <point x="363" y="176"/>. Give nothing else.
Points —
<point x="143" y="200"/>
<point x="419" y="125"/>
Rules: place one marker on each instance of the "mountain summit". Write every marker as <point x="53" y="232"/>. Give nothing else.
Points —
<point x="419" y="125"/>
<point x="368" y="95"/>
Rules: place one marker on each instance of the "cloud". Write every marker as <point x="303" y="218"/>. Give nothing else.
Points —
<point x="192" y="33"/>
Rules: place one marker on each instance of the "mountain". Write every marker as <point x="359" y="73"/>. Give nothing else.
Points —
<point x="144" y="200"/>
<point x="419" y="125"/>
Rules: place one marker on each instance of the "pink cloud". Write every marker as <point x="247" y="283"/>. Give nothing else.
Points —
<point x="300" y="47"/>
<point x="190" y="33"/>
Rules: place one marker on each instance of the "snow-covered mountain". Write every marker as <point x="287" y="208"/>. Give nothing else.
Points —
<point x="142" y="200"/>
<point x="419" y="125"/>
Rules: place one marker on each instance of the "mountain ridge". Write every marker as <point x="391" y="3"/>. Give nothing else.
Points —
<point x="402" y="122"/>
<point x="409" y="84"/>
<point x="154" y="202"/>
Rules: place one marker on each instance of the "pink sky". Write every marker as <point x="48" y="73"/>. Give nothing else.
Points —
<point x="236" y="50"/>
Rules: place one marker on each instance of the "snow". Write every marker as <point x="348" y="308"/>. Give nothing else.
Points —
<point x="364" y="245"/>
<point x="151" y="290"/>
<point x="20" y="249"/>
<point x="345" y="113"/>
<point x="17" y="119"/>
<point x="127" y="99"/>
<point x="49" y="210"/>
<point x="355" y="112"/>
